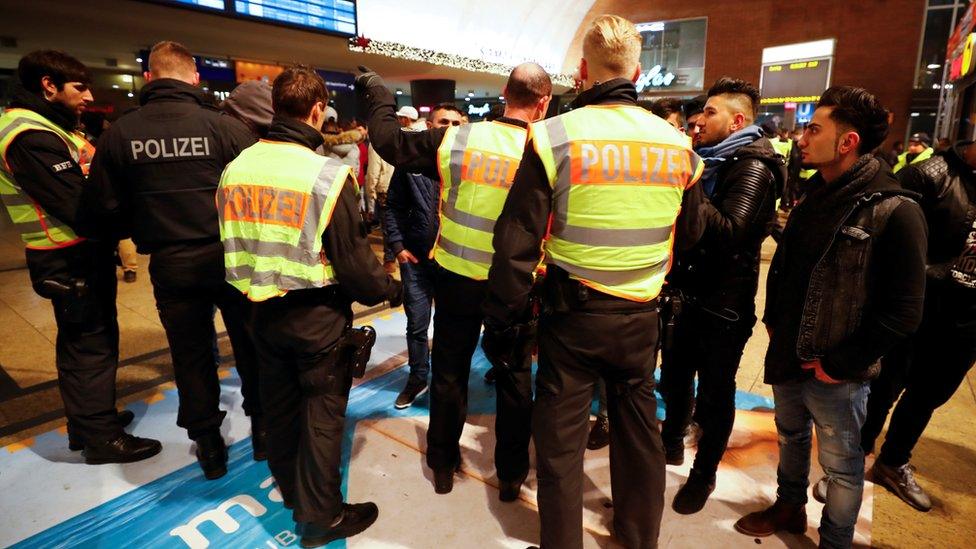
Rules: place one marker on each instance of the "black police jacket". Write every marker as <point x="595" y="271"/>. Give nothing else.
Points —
<point x="947" y="186"/>
<point x="156" y="169"/>
<point x="721" y="272"/>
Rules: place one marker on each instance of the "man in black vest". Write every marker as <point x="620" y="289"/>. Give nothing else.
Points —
<point x="844" y="287"/>
<point x="155" y="177"/>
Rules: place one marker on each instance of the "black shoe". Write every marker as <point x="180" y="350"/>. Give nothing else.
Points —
<point x="129" y="276"/>
<point x="212" y="455"/>
<point x="123" y="449"/>
<point x="674" y="455"/>
<point x="125" y="418"/>
<point x="692" y="496"/>
<point x="355" y="518"/>
<point x="410" y="393"/>
<point x="490" y="376"/>
<point x="259" y="438"/>
<point x="599" y="434"/>
<point x="509" y="490"/>
<point x="444" y="479"/>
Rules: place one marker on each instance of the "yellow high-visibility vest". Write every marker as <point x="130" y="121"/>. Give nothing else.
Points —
<point x="38" y="229"/>
<point x="618" y="175"/>
<point x="477" y="164"/>
<point x="903" y="159"/>
<point x="274" y="202"/>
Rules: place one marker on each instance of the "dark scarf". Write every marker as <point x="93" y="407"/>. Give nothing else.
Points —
<point x="53" y="111"/>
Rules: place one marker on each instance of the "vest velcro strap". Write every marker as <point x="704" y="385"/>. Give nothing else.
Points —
<point x="612" y="278"/>
<point x="468" y="219"/>
<point x="457" y="250"/>
<point x="592" y="236"/>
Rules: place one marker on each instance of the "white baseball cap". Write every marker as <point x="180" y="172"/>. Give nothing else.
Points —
<point x="331" y="114"/>
<point x="408" y="112"/>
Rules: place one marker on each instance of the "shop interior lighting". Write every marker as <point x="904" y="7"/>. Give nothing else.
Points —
<point x="933" y="66"/>
<point x="470" y="93"/>
<point x="657" y="26"/>
<point x="138" y="60"/>
<point x="130" y="94"/>
<point x="425" y="109"/>
<point x="399" y="91"/>
<point x="915" y="115"/>
<point x="127" y="78"/>
<point x="115" y="86"/>
<point x="467" y="99"/>
<point x="501" y="97"/>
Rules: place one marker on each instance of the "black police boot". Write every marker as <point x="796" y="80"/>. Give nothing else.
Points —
<point x="674" y="455"/>
<point x="124" y="448"/>
<point x="125" y="418"/>
<point x="212" y="455"/>
<point x="692" y="496"/>
<point x="599" y="434"/>
<point x="355" y="518"/>
<point x="509" y="490"/>
<point x="259" y="438"/>
<point x="444" y="479"/>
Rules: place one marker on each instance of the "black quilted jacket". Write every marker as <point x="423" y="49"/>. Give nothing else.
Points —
<point x="722" y="270"/>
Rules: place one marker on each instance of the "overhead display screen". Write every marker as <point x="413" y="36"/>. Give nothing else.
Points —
<point x="796" y="82"/>
<point x="332" y="16"/>
<point x="327" y="15"/>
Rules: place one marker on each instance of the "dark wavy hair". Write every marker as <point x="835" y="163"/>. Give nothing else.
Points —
<point x="860" y="110"/>
<point x="60" y="67"/>
<point x="735" y="86"/>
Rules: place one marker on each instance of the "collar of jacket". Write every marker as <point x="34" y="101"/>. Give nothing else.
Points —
<point x="512" y="121"/>
<point x="617" y="91"/>
<point x="170" y="89"/>
<point x="290" y="130"/>
<point x="55" y="112"/>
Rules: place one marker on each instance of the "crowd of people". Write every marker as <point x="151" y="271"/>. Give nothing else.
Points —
<point x="595" y="239"/>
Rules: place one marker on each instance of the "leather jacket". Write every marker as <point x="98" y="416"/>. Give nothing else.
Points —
<point x="721" y="272"/>
<point x="947" y="186"/>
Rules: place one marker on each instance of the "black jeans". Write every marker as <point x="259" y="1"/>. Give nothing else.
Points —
<point x="942" y="353"/>
<point x="188" y="282"/>
<point x="304" y="390"/>
<point x="711" y="347"/>
<point x="457" y="326"/>
<point x="87" y="345"/>
<point x="575" y="349"/>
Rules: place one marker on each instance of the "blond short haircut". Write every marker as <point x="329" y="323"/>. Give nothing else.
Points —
<point x="171" y="60"/>
<point x="614" y="44"/>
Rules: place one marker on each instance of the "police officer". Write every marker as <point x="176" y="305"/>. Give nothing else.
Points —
<point x="155" y="176"/>
<point x="295" y="244"/>
<point x="613" y="178"/>
<point x="476" y="165"/>
<point x="919" y="150"/>
<point x="42" y="173"/>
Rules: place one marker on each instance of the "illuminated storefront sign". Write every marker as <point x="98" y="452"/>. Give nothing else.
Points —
<point x="673" y="54"/>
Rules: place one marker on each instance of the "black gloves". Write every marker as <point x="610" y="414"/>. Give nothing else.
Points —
<point x="367" y="80"/>
<point x="506" y="346"/>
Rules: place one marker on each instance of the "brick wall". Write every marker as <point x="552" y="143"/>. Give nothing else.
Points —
<point x="877" y="40"/>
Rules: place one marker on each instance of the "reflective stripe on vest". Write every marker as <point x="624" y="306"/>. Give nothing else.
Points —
<point x="618" y="176"/>
<point x="38" y="229"/>
<point x="477" y="164"/>
<point x="903" y="159"/>
<point x="274" y="202"/>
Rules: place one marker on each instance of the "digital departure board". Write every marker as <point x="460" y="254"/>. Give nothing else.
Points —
<point x="328" y="15"/>
<point x="212" y="4"/>
<point x="331" y="16"/>
<point x="795" y="82"/>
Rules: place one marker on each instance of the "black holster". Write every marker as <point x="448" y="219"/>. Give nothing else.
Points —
<point x="671" y="303"/>
<point x="357" y="345"/>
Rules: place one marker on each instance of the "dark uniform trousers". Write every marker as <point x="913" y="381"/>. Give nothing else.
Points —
<point x="87" y="345"/>
<point x="188" y="282"/>
<point x="457" y="327"/>
<point x="615" y="340"/>
<point x="930" y="368"/>
<point x="304" y="390"/>
<point x="712" y="347"/>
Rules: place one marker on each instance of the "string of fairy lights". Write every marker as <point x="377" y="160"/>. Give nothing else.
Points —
<point x="409" y="53"/>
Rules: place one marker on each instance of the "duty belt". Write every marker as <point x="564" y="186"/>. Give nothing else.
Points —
<point x="564" y="294"/>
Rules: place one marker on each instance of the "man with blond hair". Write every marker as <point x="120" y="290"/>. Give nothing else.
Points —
<point x="613" y="178"/>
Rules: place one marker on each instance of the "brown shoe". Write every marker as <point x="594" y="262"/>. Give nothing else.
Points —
<point x="780" y="517"/>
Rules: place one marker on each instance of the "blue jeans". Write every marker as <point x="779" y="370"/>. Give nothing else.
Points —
<point x="418" y="292"/>
<point x="837" y="411"/>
